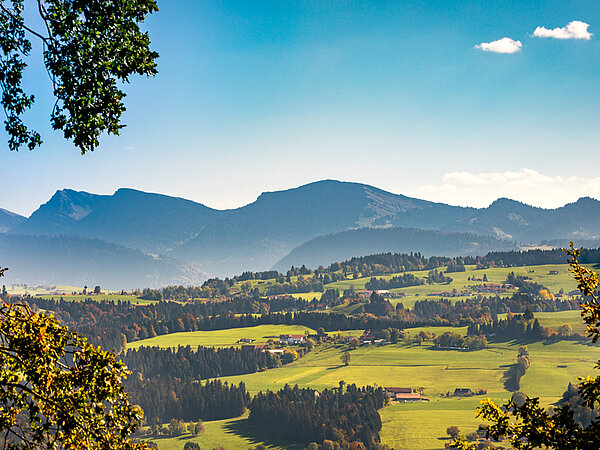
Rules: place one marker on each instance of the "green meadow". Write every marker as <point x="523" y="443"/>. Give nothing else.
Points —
<point x="411" y="425"/>
<point x="423" y="425"/>
<point x="415" y="426"/>
<point x="101" y="297"/>
<point x="230" y="434"/>
<point x="220" y="338"/>
<point x="539" y="274"/>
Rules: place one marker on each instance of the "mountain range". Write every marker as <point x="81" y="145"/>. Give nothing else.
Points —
<point x="313" y="224"/>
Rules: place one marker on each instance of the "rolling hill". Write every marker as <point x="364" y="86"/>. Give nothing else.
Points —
<point x="365" y="241"/>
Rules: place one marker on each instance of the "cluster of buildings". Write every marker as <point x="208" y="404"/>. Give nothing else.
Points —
<point x="399" y="394"/>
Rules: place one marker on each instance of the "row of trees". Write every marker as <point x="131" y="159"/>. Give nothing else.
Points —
<point x="457" y="341"/>
<point x="516" y="371"/>
<point x="399" y="281"/>
<point x="198" y="364"/>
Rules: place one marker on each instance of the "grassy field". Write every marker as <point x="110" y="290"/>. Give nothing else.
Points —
<point x="423" y="425"/>
<point x="414" y="426"/>
<point x="220" y="338"/>
<point x="539" y="274"/>
<point x="110" y="297"/>
<point x="42" y="290"/>
<point x="420" y="425"/>
<point x="230" y="434"/>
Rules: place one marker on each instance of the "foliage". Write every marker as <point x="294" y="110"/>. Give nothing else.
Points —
<point x="305" y="415"/>
<point x="345" y="358"/>
<point x="529" y="425"/>
<point x="454" y="340"/>
<point x="89" y="48"/>
<point x="400" y="281"/>
<point x="169" y="398"/>
<point x="57" y="390"/>
<point x="198" y="364"/>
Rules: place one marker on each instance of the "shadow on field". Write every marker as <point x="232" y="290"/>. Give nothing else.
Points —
<point x="255" y="435"/>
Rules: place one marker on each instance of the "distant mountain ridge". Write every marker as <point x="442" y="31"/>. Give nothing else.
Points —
<point x="136" y="219"/>
<point x="345" y="245"/>
<point x="82" y="261"/>
<point x="259" y="235"/>
<point x="9" y="220"/>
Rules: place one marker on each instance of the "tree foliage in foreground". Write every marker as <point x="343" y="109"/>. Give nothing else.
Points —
<point x="89" y="48"/>
<point x="529" y="425"/>
<point x="58" y="391"/>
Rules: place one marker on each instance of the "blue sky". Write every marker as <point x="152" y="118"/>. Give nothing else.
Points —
<point x="264" y="95"/>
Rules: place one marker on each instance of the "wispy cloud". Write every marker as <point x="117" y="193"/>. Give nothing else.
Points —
<point x="504" y="45"/>
<point x="526" y="185"/>
<point x="573" y="30"/>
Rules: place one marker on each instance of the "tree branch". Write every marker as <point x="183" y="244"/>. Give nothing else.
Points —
<point x="25" y="27"/>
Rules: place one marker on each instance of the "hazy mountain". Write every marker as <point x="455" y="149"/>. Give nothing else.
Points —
<point x="150" y="222"/>
<point x="9" y="220"/>
<point x="344" y="245"/>
<point x="258" y="235"/>
<point x="79" y="261"/>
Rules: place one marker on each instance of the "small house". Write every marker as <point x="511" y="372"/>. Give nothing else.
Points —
<point x="292" y="339"/>
<point x="463" y="392"/>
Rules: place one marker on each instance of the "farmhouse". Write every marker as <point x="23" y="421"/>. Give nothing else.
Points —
<point x="368" y="337"/>
<point x="463" y="392"/>
<point x="403" y="394"/>
<point x="407" y="398"/>
<point x="292" y="339"/>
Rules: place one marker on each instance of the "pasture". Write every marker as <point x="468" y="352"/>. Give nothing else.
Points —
<point x="416" y="426"/>
<point x="230" y="434"/>
<point x="221" y="338"/>
<point x="423" y="425"/>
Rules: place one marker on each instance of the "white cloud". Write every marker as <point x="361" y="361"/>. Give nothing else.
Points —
<point x="573" y="30"/>
<point x="504" y="45"/>
<point x="525" y="185"/>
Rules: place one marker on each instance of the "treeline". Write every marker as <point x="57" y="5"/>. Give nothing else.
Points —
<point x="385" y="263"/>
<point x="266" y="275"/>
<point x="399" y="281"/>
<point x="200" y="363"/>
<point x="211" y="288"/>
<point x="346" y="416"/>
<point x="523" y="326"/>
<point x="166" y="398"/>
<point x="525" y="285"/>
<point x="537" y="257"/>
